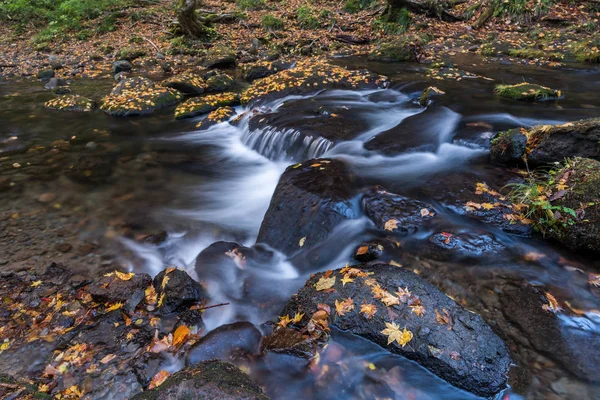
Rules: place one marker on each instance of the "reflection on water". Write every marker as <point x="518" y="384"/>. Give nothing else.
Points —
<point x="223" y="179"/>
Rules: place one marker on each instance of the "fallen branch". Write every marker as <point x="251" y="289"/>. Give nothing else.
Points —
<point x="152" y="43"/>
<point x="216" y="305"/>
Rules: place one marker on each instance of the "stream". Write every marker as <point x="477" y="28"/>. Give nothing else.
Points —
<point x="204" y="186"/>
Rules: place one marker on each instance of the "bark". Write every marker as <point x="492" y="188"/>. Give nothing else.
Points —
<point x="432" y="8"/>
<point x="189" y="21"/>
<point x="486" y="14"/>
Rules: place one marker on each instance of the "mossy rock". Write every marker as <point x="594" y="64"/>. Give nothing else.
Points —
<point x="405" y="48"/>
<point x="138" y="96"/>
<point x="11" y="388"/>
<point x="575" y="195"/>
<point x="533" y="53"/>
<point x="219" y="83"/>
<point x="309" y="76"/>
<point x="588" y="50"/>
<point x="71" y="102"/>
<point x="527" y="92"/>
<point x="187" y="83"/>
<point x="205" y="104"/>
<point x="262" y="69"/>
<point x="129" y="54"/>
<point x="221" y="114"/>
<point x="427" y="93"/>
<point x="547" y="144"/>
<point x="219" y="57"/>
<point x="212" y="379"/>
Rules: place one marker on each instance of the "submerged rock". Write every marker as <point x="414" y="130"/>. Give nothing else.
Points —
<point x="91" y="169"/>
<point x="568" y="340"/>
<point x="310" y="76"/>
<point x="138" y="96"/>
<point x="310" y="200"/>
<point x="546" y="144"/>
<point x="70" y="103"/>
<point x="204" y="105"/>
<point x="221" y="114"/>
<point x="395" y="213"/>
<point x="208" y="380"/>
<point x="187" y="83"/>
<point x="527" y="92"/>
<point x="398" y="310"/>
<point x="177" y="290"/>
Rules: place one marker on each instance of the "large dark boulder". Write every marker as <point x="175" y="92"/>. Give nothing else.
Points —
<point x="177" y="290"/>
<point x="547" y="144"/>
<point x="395" y="213"/>
<point x="187" y="83"/>
<point x="209" y="380"/>
<point x="446" y="246"/>
<point x="227" y="342"/>
<point x="310" y="200"/>
<point x="542" y="319"/>
<point x="138" y="96"/>
<point x="400" y="311"/>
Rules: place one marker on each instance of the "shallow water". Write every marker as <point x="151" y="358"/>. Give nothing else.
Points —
<point x="220" y="182"/>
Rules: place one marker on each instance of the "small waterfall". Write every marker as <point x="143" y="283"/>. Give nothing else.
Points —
<point x="288" y="144"/>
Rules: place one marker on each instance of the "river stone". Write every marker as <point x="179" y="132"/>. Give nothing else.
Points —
<point x="448" y="340"/>
<point x="138" y="96"/>
<point x="205" y="104"/>
<point x="262" y="69"/>
<point x="121" y="66"/>
<point x="546" y="144"/>
<point x="446" y="246"/>
<point x="91" y="168"/>
<point x="187" y="83"/>
<point x="310" y="200"/>
<point x="219" y="83"/>
<point x="395" y="213"/>
<point x="45" y="75"/>
<point x="582" y="195"/>
<point x="568" y="340"/>
<point x="112" y="289"/>
<point x="177" y="290"/>
<point x="403" y="48"/>
<point x="310" y="76"/>
<point x="219" y="57"/>
<point x="221" y="114"/>
<point x="73" y="102"/>
<point x="527" y="92"/>
<point x="214" y="380"/>
<point x="227" y="342"/>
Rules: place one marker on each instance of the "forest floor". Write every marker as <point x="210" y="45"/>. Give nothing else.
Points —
<point x="563" y="32"/>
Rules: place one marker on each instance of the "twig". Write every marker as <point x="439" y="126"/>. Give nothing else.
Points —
<point x="152" y="43"/>
<point x="216" y="305"/>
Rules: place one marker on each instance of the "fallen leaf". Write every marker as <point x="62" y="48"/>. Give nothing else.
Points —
<point x="341" y="308"/>
<point x="368" y="310"/>
<point x="158" y="379"/>
<point x="302" y="241"/>
<point x="346" y="279"/>
<point x="325" y="283"/>
<point x="419" y="310"/>
<point x="123" y="276"/>
<point x="390" y="225"/>
<point x="426" y="213"/>
<point x="552" y="305"/>
<point x="297" y="318"/>
<point x="180" y="336"/>
<point x="362" y="250"/>
<point x="594" y="280"/>
<point x="114" y="307"/>
<point x="108" y="358"/>
<point x="392" y="331"/>
<point x="36" y="283"/>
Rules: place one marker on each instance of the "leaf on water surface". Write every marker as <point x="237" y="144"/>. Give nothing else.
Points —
<point x="390" y="225"/>
<point x="158" y="379"/>
<point x="395" y="264"/>
<point x="533" y="256"/>
<point x="393" y="332"/>
<point x="325" y="283"/>
<point x="552" y="305"/>
<point x="362" y="250"/>
<point x="426" y="213"/>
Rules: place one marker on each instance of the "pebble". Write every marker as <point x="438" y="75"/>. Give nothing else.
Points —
<point x="46" y="198"/>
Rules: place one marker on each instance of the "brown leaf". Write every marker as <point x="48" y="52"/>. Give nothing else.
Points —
<point x="180" y="336"/>
<point x="158" y="379"/>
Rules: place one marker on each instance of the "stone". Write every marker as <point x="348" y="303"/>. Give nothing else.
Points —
<point x="112" y="289"/>
<point x="121" y="66"/>
<point x="177" y="290"/>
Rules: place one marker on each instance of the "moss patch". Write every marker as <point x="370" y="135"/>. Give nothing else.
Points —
<point x="186" y="83"/>
<point x="206" y="104"/>
<point x="531" y="53"/>
<point x="71" y="102"/>
<point x="405" y="48"/>
<point x="527" y="92"/>
<point x="588" y="50"/>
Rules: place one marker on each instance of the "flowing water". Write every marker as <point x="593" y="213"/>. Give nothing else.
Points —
<point x="216" y="184"/>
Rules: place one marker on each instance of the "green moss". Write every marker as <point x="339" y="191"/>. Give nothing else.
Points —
<point x="404" y="48"/>
<point x="271" y="22"/>
<point x="531" y="53"/>
<point x="354" y="6"/>
<point x="588" y="50"/>
<point x="395" y="22"/>
<point x="130" y="54"/>
<point x="306" y="18"/>
<point x="526" y="91"/>
<point x="251" y="4"/>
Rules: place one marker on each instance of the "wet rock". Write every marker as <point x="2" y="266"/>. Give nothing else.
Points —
<point x="121" y="66"/>
<point x="547" y="144"/>
<point x="129" y="54"/>
<point x="45" y="75"/>
<point x="138" y="96"/>
<point x="54" y="83"/>
<point x="446" y="246"/>
<point x="219" y="57"/>
<point x="575" y="199"/>
<point x="177" y="290"/>
<point x="111" y="288"/>
<point x="428" y="93"/>
<point x="313" y="197"/>
<point x="527" y="92"/>
<point x="395" y="213"/>
<point x="233" y="341"/>
<point x="221" y="114"/>
<point x="568" y="340"/>
<point x="368" y="252"/>
<point x="192" y="319"/>
<point x="156" y="239"/>
<point x="309" y="76"/>
<point x="204" y="105"/>
<point x="91" y="169"/>
<point x="465" y="194"/>
<point x="187" y="83"/>
<point x="290" y="341"/>
<point x="208" y="380"/>
<point x="70" y="102"/>
<point x="262" y="69"/>
<point x="219" y="83"/>
<point x="421" y="323"/>
<point x="404" y="48"/>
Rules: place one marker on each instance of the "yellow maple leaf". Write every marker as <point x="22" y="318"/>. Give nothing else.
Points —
<point x="297" y="318"/>
<point x="302" y="241"/>
<point x="325" y="283"/>
<point x="165" y="281"/>
<point x="368" y="310"/>
<point x="419" y="310"/>
<point x="342" y="307"/>
<point x="161" y="300"/>
<point x="346" y="279"/>
<point x="284" y="321"/>
<point x="124" y="276"/>
<point x="393" y="332"/>
<point x="114" y="307"/>
<point x="181" y="334"/>
<point x="151" y="296"/>
<point x="389" y="299"/>
<point x="36" y="283"/>
<point x="390" y="225"/>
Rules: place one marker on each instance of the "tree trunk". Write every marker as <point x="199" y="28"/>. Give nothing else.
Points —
<point x="432" y="8"/>
<point x="188" y="20"/>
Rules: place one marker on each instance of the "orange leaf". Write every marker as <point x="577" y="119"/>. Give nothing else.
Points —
<point x="158" y="379"/>
<point x="180" y="336"/>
